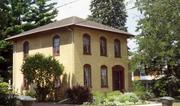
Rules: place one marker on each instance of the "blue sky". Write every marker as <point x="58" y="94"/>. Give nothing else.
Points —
<point x="80" y="8"/>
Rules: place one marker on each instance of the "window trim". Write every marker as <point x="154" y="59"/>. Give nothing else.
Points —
<point x="56" y="54"/>
<point x="87" y="65"/>
<point x="86" y="35"/>
<point x="115" y="54"/>
<point x="102" y="38"/>
<point x="104" y="66"/>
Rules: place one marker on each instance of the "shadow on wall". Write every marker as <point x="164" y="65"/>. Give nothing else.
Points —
<point x="66" y="82"/>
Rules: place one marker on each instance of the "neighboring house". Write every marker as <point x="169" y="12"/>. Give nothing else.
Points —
<point x="145" y="79"/>
<point x="93" y="54"/>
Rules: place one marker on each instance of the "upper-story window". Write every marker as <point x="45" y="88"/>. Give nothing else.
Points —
<point x="117" y="48"/>
<point x="86" y="44"/>
<point x="25" y="49"/>
<point x="56" y="45"/>
<point x="103" y="46"/>
<point x="104" y="76"/>
<point x="87" y="75"/>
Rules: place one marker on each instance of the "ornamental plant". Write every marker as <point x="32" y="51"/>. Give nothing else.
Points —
<point x="42" y="71"/>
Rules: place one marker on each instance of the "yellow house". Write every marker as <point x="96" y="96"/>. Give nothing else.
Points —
<point x="92" y="54"/>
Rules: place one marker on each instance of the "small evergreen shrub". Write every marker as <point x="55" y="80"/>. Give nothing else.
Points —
<point x="79" y="95"/>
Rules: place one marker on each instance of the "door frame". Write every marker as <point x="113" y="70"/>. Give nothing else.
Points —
<point x="122" y="78"/>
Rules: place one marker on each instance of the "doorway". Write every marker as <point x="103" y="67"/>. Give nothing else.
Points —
<point x="118" y="78"/>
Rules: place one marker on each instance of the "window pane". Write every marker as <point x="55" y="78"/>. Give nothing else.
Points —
<point x="87" y="75"/>
<point x="86" y="44"/>
<point x="103" y="48"/>
<point x="56" y="44"/>
<point x="104" y="77"/>
<point x="26" y="49"/>
<point x="117" y="48"/>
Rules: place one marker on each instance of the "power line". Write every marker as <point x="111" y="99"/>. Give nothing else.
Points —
<point x="68" y="3"/>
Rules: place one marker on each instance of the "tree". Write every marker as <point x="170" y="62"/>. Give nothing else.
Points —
<point x="5" y="55"/>
<point x="159" y="47"/>
<point x="17" y="16"/>
<point x="43" y="72"/>
<point x="109" y="12"/>
<point x="40" y="12"/>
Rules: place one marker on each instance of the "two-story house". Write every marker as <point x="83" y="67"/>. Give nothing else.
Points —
<point x="92" y="54"/>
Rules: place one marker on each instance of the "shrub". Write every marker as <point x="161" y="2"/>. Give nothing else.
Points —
<point x="115" y="98"/>
<point x="79" y="95"/>
<point x="42" y="71"/>
<point x="6" y="98"/>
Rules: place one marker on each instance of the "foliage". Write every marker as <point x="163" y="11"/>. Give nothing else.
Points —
<point x="163" y="85"/>
<point x="138" y="88"/>
<point x="31" y="94"/>
<point x="42" y="71"/>
<point x="4" y="88"/>
<point x="17" y="16"/>
<point x="5" y="97"/>
<point x="115" y="98"/>
<point x="79" y="94"/>
<point x="141" y="91"/>
<point x="109" y="12"/>
<point x="159" y="46"/>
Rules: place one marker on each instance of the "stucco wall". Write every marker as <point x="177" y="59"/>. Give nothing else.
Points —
<point x="72" y="57"/>
<point x="42" y="43"/>
<point x="95" y="60"/>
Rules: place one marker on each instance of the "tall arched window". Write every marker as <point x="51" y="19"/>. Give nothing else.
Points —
<point x="25" y="49"/>
<point x="87" y="75"/>
<point x="117" y="48"/>
<point x="86" y="44"/>
<point x="56" y="45"/>
<point x="104" y="76"/>
<point x="25" y="54"/>
<point x="103" y="46"/>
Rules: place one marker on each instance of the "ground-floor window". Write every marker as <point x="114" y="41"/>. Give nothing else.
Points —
<point x="87" y="75"/>
<point x="104" y="76"/>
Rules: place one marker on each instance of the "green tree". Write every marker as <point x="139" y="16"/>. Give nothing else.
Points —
<point x="159" y="47"/>
<point x="5" y="55"/>
<point x="109" y="12"/>
<point x="40" y="12"/>
<point x="17" y="16"/>
<point x="42" y="71"/>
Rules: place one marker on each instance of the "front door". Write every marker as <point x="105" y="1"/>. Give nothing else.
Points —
<point x="118" y="78"/>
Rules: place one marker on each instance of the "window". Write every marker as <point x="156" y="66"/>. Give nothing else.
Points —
<point x="25" y="54"/>
<point x="26" y="49"/>
<point x="104" y="76"/>
<point x="103" y="46"/>
<point x="86" y="44"/>
<point x="87" y="75"/>
<point x="56" y="44"/>
<point x="117" y="48"/>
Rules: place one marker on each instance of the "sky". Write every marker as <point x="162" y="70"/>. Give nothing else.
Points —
<point x="80" y="8"/>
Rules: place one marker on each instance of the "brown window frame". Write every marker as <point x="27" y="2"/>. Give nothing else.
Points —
<point x="89" y="78"/>
<point x="101" y="71"/>
<point x="88" y="37"/>
<point x="117" y="54"/>
<point x="103" y="39"/>
<point x="56" y="52"/>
